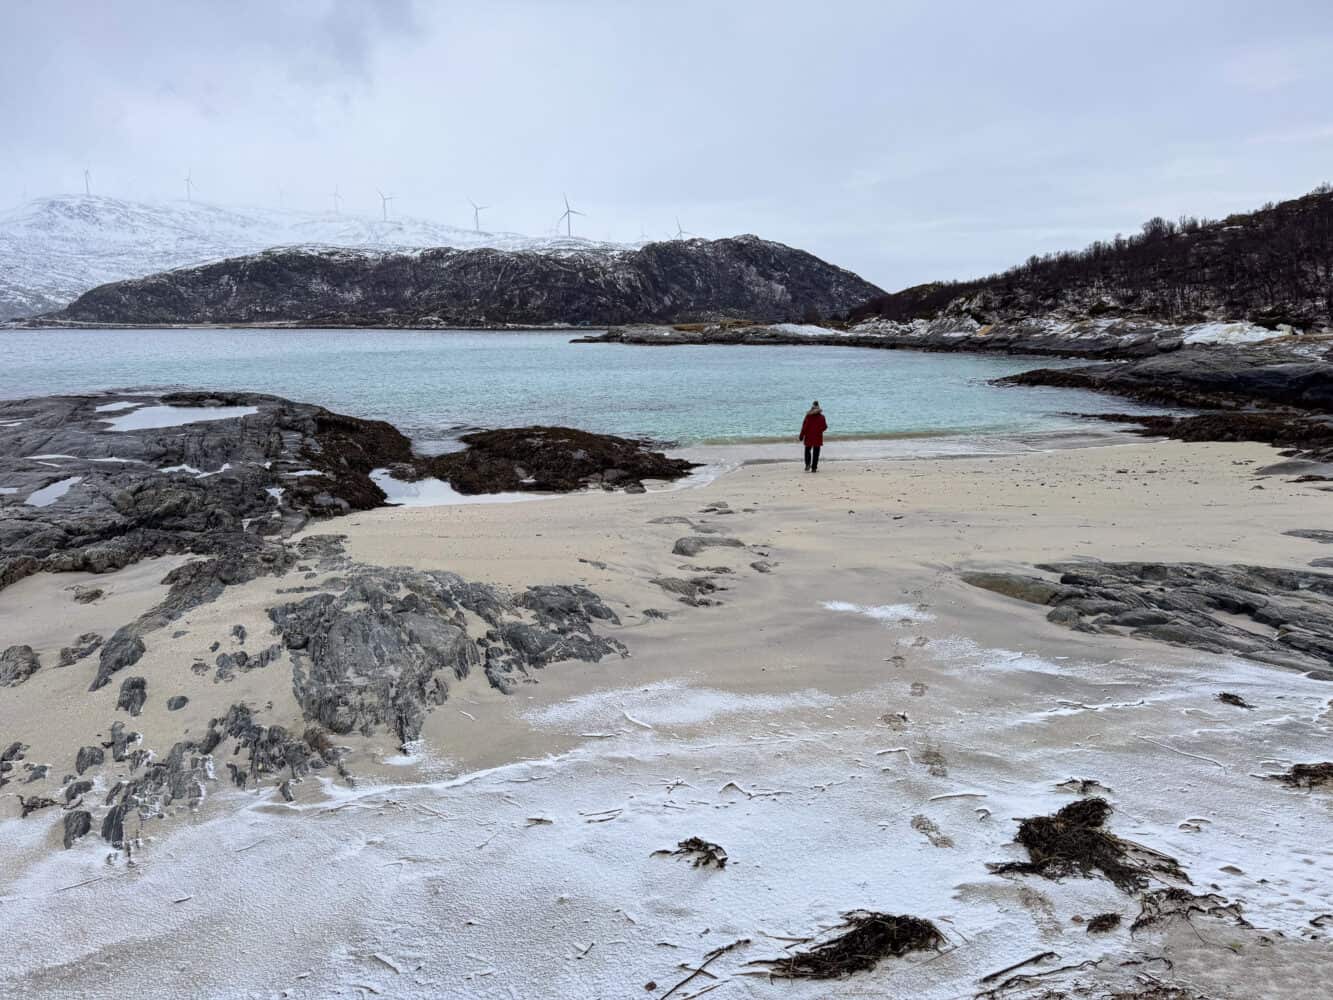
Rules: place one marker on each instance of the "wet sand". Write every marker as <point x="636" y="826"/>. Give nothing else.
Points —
<point x="857" y="727"/>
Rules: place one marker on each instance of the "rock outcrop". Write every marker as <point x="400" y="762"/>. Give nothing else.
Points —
<point x="1189" y="604"/>
<point x="95" y="483"/>
<point x="674" y="281"/>
<point x="551" y="459"/>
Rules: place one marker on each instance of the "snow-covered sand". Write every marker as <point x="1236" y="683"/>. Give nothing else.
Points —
<point x="857" y="728"/>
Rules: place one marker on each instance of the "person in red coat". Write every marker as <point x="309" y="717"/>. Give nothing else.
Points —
<point x="812" y="433"/>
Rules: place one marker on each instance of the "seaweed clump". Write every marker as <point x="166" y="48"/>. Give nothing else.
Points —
<point x="1072" y="841"/>
<point x="1307" y="775"/>
<point x="703" y="852"/>
<point x="861" y="941"/>
<point x="1103" y="922"/>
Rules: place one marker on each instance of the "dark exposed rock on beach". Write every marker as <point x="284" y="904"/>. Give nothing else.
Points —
<point x="209" y="486"/>
<point x="1288" y="613"/>
<point x="382" y="653"/>
<point x="675" y="281"/>
<point x="83" y="494"/>
<point x="371" y="650"/>
<point x="17" y="664"/>
<point x="551" y="459"/>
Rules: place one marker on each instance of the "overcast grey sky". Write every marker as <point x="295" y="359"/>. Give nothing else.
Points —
<point x="905" y="140"/>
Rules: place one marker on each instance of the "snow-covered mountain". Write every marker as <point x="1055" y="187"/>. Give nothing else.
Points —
<point x="54" y="249"/>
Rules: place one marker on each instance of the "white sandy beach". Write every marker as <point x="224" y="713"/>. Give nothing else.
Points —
<point x="856" y="726"/>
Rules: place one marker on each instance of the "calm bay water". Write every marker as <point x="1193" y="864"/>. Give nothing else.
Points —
<point x="427" y="382"/>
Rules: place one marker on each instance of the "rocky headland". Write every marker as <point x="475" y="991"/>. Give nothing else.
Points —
<point x="668" y="282"/>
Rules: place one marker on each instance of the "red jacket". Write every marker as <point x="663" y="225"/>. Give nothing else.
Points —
<point x="812" y="430"/>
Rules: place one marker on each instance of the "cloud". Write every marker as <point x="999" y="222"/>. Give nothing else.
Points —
<point x="908" y="141"/>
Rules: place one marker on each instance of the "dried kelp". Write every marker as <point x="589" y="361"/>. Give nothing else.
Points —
<point x="1072" y="842"/>
<point x="857" y="945"/>
<point x="703" y="852"/>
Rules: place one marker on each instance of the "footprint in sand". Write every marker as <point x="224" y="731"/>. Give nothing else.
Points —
<point x="918" y="689"/>
<point x="920" y="641"/>
<point x="935" y="762"/>
<point x="926" y="826"/>
<point x="1041" y="908"/>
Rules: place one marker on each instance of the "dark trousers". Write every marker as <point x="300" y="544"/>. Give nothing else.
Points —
<point x="812" y="458"/>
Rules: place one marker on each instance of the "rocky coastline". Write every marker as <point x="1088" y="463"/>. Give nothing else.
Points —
<point x="95" y="483"/>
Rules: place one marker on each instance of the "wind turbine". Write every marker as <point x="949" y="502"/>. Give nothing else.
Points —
<point x="87" y="183"/>
<point x="384" y="203"/>
<point x="681" y="233"/>
<point x="337" y="201"/>
<point x="189" y="186"/>
<point x="476" y="214"/>
<point x="567" y="218"/>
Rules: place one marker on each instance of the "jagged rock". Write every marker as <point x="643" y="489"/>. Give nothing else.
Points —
<point x="120" y="739"/>
<point x="88" y="757"/>
<point x="76" y="788"/>
<point x="85" y="645"/>
<point x="77" y="824"/>
<point x="37" y="773"/>
<point x="689" y="592"/>
<point x="176" y="702"/>
<point x="382" y="653"/>
<point x="1191" y="604"/>
<point x="133" y="694"/>
<point x="124" y="649"/>
<point x="229" y="663"/>
<point x="675" y="281"/>
<point x="238" y="633"/>
<point x="86" y="595"/>
<point x="693" y="545"/>
<point x="17" y="664"/>
<point x="178" y="778"/>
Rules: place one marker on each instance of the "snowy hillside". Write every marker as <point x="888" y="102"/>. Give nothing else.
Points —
<point x="54" y="249"/>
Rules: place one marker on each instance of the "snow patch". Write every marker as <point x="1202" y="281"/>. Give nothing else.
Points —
<point x="1232" y="333"/>
<point x="174" y="416"/>
<point x="431" y="492"/>
<point x="889" y="613"/>
<point x="48" y="495"/>
<point x="667" y="703"/>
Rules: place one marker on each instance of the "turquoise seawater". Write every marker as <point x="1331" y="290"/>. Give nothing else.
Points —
<point x="431" y="382"/>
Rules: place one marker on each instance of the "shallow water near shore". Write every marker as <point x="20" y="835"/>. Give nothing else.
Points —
<point x="434" y="383"/>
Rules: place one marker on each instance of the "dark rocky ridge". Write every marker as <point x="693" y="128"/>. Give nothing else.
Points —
<point x="1275" y="394"/>
<point x="676" y="281"/>
<point x="1270" y="267"/>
